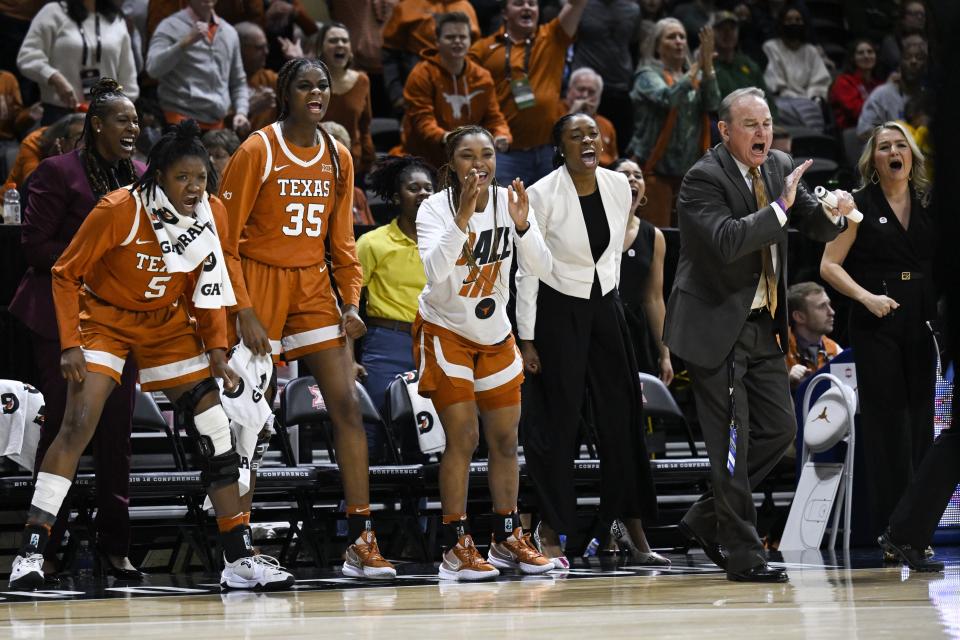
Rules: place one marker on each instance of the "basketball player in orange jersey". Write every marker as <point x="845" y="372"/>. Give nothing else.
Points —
<point x="467" y="235"/>
<point x="126" y="286"/>
<point x="286" y="189"/>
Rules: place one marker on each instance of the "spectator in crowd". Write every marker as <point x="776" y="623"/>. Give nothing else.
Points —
<point x="527" y="61"/>
<point x="220" y="144"/>
<point x="695" y="15"/>
<point x="365" y="20"/>
<point x="393" y="277"/>
<point x="796" y="74"/>
<point x="410" y="30"/>
<point x="811" y="319"/>
<point x="641" y="280"/>
<point x="15" y="120"/>
<point x="261" y="82"/>
<point x="15" y="17"/>
<point x="671" y="99"/>
<point x="584" y="92"/>
<point x="446" y="90"/>
<point x="361" y="208"/>
<point x="651" y="12"/>
<point x="350" y="93"/>
<point x="735" y="69"/>
<point x="69" y="47"/>
<point x="606" y="37"/>
<point x="195" y="56"/>
<point x="63" y="190"/>
<point x="852" y="87"/>
<point x="884" y="264"/>
<point x="573" y="336"/>
<point x="889" y="100"/>
<point x="41" y="143"/>
<point x="913" y="21"/>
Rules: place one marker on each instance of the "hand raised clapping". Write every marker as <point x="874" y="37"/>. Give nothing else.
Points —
<point x="518" y="204"/>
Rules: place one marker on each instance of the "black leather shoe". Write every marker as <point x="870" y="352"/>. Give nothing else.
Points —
<point x="713" y="550"/>
<point x="761" y="573"/>
<point x="914" y="558"/>
<point x="106" y="568"/>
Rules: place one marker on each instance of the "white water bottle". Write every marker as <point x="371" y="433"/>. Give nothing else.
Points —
<point x="11" y="204"/>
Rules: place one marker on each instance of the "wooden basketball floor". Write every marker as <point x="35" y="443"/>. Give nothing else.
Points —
<point x="826" y="598"/>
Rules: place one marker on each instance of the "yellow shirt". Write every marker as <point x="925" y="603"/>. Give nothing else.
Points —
<point x="393" y="274"/>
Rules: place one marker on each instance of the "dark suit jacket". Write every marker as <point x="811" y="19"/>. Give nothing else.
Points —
<point x="59" y="200"/>
<point x="721" y="237"/>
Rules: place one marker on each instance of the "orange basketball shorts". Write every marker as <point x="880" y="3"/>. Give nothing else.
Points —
<point x="295" y="306"/>
<point x="164" y="342"/>
<point x="454" y="369"/>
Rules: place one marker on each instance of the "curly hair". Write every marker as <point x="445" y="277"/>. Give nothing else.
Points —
<point x="102" y="95"/>
<point x="178" y="141"/>
<point x="388" y="175"/>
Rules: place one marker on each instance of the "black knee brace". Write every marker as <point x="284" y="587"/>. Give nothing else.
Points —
<point x="215" y="470"/>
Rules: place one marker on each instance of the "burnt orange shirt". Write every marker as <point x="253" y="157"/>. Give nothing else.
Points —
<point x="531" y="127"/>
<point x="411" y="26"/>
<point x="282" y="202"/>
<point x="27" y="158"/>
<point x="608" y="135"/>
<point x="14" y="119"/>
<point x="352" y="110"/>
<point x="115" y="256"/>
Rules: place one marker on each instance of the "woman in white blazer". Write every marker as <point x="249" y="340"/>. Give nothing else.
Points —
<point x="573" y="334"/>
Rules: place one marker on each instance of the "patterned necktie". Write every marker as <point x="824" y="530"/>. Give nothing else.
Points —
<point x="769" y="273"/>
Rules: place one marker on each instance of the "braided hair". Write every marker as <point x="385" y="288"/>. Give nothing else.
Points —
<point x="451" y="183"/>
<point x="105" y="92"/>
<point x="178" y="141"/>
<point x="285" y="77"/>
<point x="387" y="177"/>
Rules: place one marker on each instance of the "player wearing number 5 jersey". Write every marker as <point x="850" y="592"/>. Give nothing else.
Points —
<point x="123" y="286"/>
<point x="287" y="189"/>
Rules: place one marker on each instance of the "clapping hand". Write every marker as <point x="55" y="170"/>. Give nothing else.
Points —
<point x="792" y="181"/>
<point x="468" y="199"/>
<point x="518" y="205"/>
<point x="706" y="49"/>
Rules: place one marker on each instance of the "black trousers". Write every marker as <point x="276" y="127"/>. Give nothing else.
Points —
<point x="896" y="377"/>
<point x="585" y="341"/>
<point x="766" y="427"/>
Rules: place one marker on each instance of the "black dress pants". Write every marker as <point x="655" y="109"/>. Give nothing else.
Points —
<point x="766" y="427"/>
<point x="585" y="341"/>
<point x="896" y="377"/>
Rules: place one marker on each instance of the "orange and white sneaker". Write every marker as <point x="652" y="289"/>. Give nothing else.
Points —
<point x="363" y="560"/>
<point x="518" y="552"/>
<point x="464" y="562"/>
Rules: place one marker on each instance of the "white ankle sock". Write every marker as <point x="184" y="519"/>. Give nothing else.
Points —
<point x="49" y="492"/>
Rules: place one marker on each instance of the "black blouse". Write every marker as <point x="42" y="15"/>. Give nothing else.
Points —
<point x="595" y="217"/>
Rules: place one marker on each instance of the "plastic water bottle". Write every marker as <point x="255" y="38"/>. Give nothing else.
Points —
<point x="11" y="204"/>
<point x="591" y="549"/>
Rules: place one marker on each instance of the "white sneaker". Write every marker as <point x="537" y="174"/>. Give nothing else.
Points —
<point x="27" y="572"/>
<point x="255" y="572"/>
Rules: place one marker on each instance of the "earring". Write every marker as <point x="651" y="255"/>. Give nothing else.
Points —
<point x="643" y="201"/>
<point x="875" y="177"/>
<point x="98" y="130"/>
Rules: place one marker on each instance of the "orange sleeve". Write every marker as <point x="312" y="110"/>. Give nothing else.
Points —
<point x="239" y="189"/>
<point x="211" y="323"/>
<point x="343" y="248"/>
<point x="103" y="229"/>
<point x="418" y="93"/>
<point x="395" y="31"/>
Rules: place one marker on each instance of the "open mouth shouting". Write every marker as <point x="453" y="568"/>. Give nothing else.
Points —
<point x="127" y="143"/>
<point x="190" y="203"/>
<point x="483" y="176"/>
<point x="589" y="157"/>
<point x="527" y="18"/>
<point x="758" y="150"/>
<point x="340" y="57"/>
<point x="896" y="164"/>
<point x="315" y="107"/>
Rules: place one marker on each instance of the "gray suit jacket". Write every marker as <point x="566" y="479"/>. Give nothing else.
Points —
<point x="721" y="237"/>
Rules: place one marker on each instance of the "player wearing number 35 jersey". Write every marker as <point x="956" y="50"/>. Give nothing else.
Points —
<point x="287" y="189"/>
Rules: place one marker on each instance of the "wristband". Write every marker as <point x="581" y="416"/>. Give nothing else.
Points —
<point x="781" y="203"/>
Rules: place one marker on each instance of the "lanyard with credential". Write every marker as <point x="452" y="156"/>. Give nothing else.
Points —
<point x="83" y="37"/>
<point x="528" y="45"/>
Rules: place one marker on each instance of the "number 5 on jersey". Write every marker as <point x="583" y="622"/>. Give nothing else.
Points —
<point x="157" y="287"/>
<point x="296" y="226"/>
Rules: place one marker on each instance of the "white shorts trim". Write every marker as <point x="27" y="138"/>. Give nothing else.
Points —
<point x="174" y="369"/>
<point x="501" y="377"/>
<point x="307" y="338"/>
<point x="104" y="359"/>
<point x="450" y="369"/>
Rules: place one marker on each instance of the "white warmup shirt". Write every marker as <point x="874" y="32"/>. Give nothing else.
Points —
<point x="472" y="302"/>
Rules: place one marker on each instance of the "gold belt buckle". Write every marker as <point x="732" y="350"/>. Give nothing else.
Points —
<point x="905" y="275"/>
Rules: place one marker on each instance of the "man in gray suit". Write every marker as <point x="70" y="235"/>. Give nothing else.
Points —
<point x="727" y="307"/>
